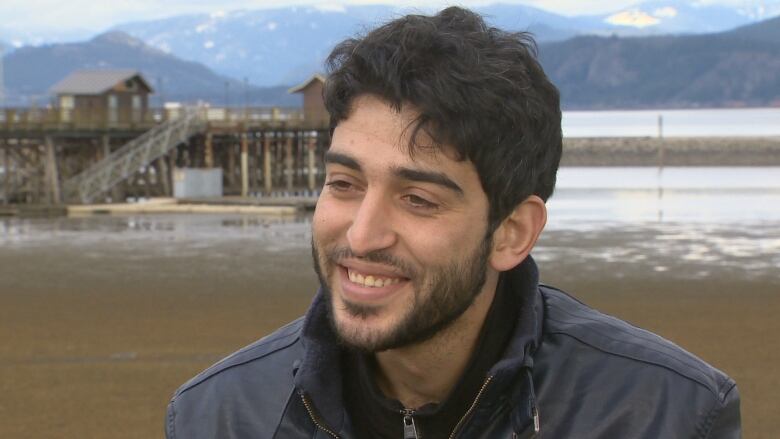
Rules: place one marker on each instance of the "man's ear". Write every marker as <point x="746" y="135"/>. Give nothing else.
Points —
<point x="517" y="234"/>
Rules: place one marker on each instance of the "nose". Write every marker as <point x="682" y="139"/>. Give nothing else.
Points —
<point x="372" y="227"/>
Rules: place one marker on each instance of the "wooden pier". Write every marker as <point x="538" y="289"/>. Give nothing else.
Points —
<point x="49" y="157"/>
<point x="46" y="154"/>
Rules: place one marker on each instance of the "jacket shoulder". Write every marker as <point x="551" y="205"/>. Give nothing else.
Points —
<point x="248" y="391"/>
<point x="612" y="336"/>
<point x="274" y="343"/>
<point x="642" y="376"/>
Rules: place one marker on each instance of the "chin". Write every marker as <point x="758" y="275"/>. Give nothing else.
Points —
<point x="366" y="332"/>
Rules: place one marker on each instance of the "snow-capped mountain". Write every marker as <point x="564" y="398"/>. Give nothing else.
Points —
<point x="591" y="71"/>
<point x="286" y="45"/>
<point x="678" y="16"/>
<point x="270" y="46"/>
<point x="283" y="46"/>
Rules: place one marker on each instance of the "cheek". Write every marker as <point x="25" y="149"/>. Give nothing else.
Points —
<point x="439" y="243"/>
<point x="328" y="220"/>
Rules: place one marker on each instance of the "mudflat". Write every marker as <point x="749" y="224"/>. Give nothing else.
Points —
<point x="96" y="334"/>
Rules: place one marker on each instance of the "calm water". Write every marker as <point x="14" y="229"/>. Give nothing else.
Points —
<point x="596" y="197"/>
<point x="678" y="123"/>
<point x="685" y="222"/>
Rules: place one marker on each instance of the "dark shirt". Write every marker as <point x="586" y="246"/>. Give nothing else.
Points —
<point x="374" y="415"/>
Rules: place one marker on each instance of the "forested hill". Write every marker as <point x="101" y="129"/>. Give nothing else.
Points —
<point x="729" y="69"/>
<point x="31" y="71"/>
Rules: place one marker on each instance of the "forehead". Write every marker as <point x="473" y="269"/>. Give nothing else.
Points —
<point x="375" y="132"/>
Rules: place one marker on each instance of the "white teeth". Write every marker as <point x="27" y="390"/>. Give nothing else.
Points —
<point x="371" y="281"/>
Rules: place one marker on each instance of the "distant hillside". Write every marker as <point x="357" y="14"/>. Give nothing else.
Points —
<point x="31" y="71"/>
<point x="767" y="31"/>
<point x="736" y="68"/>
<point x="287" y="44"/>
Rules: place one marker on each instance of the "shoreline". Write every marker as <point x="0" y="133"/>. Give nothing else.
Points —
<point x="656" y="152"/>
<point x="671" y="151"/>
<point x="172" y="205"/>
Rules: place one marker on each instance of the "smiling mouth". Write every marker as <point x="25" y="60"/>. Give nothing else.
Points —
<point x="371" y="280"/>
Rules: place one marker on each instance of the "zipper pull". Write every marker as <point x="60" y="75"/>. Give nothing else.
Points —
<point x="410" y="430"/>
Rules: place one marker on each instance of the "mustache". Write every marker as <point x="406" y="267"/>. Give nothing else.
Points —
<point x="340" y="254"/>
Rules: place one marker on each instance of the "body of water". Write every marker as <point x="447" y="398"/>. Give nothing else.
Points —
<point x="599" y="196"/>
<point x="693" y="219"/>
<point x="675" y="123"/>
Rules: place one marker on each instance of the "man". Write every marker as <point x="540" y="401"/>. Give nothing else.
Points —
<point x="430" y="322"/>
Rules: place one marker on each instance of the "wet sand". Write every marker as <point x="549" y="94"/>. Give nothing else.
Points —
<point x="94" y="338"/>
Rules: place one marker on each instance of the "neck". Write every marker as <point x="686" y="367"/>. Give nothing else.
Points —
<point x="426" y="372"/>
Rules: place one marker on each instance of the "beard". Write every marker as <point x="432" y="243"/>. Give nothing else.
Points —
<point x="442" y="293"/>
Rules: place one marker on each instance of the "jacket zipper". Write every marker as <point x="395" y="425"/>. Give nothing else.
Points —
<point x="535" y="413"/>
<point x="537" y="424"/>
<point x="410" y="430"/>
<point x="315" y="418"/>
<point x="471" y="408"/>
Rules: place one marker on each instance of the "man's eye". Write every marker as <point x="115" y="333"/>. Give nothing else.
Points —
<point x="418" y="201"/>
<point x="338" y="185"/>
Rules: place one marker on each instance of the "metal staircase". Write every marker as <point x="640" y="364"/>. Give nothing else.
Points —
<point x="127" y="160"/>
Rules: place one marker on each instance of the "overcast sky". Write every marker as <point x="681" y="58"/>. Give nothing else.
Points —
<point x="31" y="17"/>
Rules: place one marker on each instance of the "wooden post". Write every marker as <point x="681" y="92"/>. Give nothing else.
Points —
<point x="147" y="178"/>
<point x="255" y="156"/>
<point x="117" y="192"/>
<point x="208" y="154"/>
<point x="173" y="157"/>
<point x="52" y="175"/>
<point x="244" y="165"/>
<point x="288" y="162"/>
<point x="106" y="146"/>
<point x="311" y="147"/>
<point x="231" y="164"/>
<point x="267" y="181"/>
<point x="6" y="174"/>
<point x="164" y="176"/>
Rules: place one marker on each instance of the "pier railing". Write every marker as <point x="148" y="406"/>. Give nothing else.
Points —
<point x="62" y="119"/>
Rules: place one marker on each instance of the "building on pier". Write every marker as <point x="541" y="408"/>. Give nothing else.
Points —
<point x="103" y="97"/>
<point x="102" y="143"/>
<point x="261" y="151"/>
<point x="313" y="105"/>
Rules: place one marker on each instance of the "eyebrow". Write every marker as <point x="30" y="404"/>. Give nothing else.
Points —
<point x="428" y="177"/>
<point x="336" y="158"/>
<point x="437" y="178"/>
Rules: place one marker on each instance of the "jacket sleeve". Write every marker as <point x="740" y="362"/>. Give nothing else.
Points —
<point x="725" y="418"/>
<point x="169" y="422"/>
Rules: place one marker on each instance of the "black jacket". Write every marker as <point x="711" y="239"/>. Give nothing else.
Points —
<point x="569" y="372"/>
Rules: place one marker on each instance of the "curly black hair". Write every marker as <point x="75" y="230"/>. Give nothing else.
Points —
<point x="476" y="88"/>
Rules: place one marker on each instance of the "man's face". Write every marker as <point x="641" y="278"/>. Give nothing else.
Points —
<point x="399" y="243"/>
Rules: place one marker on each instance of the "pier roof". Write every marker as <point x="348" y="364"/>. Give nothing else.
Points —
<point x="314" y="77"/>
<point x="95" y="81"/>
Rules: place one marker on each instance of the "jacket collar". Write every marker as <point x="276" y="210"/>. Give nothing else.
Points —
<point x="319" y="376"/>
